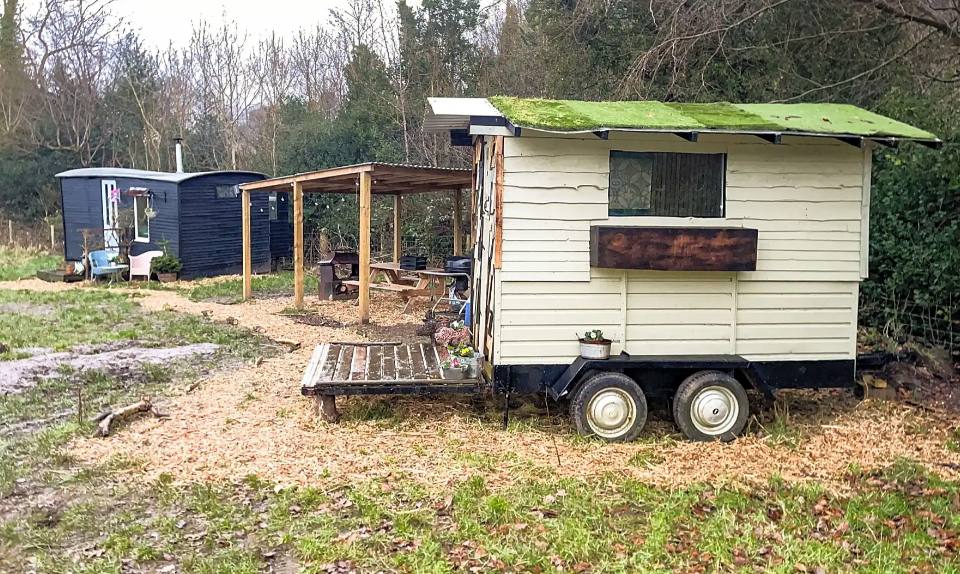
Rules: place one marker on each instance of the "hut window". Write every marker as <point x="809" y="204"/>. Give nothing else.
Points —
<point x="228" y="191"/>
<point x="666" y="184"/>
<point x="273" y="206"/>
<point x="141" y="222"/>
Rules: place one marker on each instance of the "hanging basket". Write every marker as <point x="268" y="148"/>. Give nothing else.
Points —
<point x="150" y="212"/>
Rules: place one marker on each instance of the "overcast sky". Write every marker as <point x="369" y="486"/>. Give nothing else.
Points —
<point x="162" y="22"/>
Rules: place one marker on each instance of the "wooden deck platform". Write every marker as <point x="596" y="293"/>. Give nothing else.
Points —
<point x="380" y="369"/>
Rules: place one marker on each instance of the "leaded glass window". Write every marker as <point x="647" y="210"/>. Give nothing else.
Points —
<point x="631" y="176"/>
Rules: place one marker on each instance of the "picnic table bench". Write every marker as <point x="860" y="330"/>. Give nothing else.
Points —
<point x="424" y="285"/>
<point x="377" y="369"/>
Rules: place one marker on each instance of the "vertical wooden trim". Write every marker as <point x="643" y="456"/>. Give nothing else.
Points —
<point x="865" y="211"/>
<point x="397" y="229"/>
<point x="623" y="311"/>
<point x="457" y="233"/>
<point x="498" y="229"/>
<point x="475" y="192"/>
<point x="298" y="245"/>
<point x="733" y="320"/>
<point x="365" y="184"/>
<point x="247" y="257"/>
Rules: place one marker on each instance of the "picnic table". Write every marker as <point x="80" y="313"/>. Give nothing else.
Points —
<point x="426" y="283"/>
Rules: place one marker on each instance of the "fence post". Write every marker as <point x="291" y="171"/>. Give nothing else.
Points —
<point x="53" y="238"/>
<point x="10" y="230"/>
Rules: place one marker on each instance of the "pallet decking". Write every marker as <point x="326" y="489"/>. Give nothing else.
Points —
<point x="377" y="369"/>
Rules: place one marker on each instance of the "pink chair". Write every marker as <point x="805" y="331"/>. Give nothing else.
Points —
<point x="140" y="264"/>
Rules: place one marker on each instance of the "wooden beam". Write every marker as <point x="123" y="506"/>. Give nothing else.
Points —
<point x="674" y="248"/>
<point x="498" y="191"/>
<point x="397" y="229"/>
<point x="365" y="184"/>
<point x="457" y="233"/>
<point x="247" y="257"/>
<point x="281" y="183"/>
<point x="298" y="245"/>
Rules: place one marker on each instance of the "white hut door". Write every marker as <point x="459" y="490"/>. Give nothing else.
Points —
<point x="111" y="206"/>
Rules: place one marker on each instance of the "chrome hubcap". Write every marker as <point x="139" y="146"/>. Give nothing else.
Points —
<point x="611" y="412"/>
<point x="714" y="410"/>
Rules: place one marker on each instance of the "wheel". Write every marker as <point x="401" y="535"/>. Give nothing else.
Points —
<point x="711" y="405"/>
<point x="610" y="406"/>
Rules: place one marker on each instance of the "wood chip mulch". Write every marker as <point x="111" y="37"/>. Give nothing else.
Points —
<point x="217" y="432"/>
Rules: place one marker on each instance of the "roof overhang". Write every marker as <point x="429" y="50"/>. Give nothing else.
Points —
<point x="467" y="117"/>
<point x="386" y="179"/>
<point x="447" y="114"/>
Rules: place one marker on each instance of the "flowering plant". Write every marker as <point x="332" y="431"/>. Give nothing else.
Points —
<point x="453" y="363"/>
<point x="452" y="336"/>
<point x="464" y="351"/>
<point x="596" y="335"/>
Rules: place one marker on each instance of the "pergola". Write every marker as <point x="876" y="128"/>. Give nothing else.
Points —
<point x="365" y="180"/>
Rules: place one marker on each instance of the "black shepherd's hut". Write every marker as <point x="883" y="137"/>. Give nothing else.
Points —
<point x="195" y="216"/>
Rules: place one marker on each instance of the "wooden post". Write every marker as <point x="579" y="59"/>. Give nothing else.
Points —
<point x="247" y="257"/>
<point x="327" y="408"/>
<point x="87" y="272"/>
<point x="53" y="239"/>
<point x="10" y="229"/>
<point x="457" y="234"/>
<point x="365" y="184"/>
<point x="397" y="230"/>
<point x="298" y="245"/>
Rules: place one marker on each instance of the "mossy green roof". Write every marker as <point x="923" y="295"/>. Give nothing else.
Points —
<point x="828" y="119"/>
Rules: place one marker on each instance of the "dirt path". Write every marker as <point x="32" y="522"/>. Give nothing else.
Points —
<point x="254" y="421"/>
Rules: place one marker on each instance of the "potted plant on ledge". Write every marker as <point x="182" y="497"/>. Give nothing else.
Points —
<point x="166" y="266"/>
<point x="594" y="346"/>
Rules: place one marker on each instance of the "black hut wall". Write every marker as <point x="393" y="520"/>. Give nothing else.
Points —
<point x="211" y="227"/>
<point x="82" y="202"/>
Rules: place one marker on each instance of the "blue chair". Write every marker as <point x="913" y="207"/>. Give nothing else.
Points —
<point x="101" y="266"/>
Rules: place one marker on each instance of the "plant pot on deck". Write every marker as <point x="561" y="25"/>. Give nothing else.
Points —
<point x="166" y="277"/>
<point x="452" y="373"/>
<point x="595" y="349"/>
<point x="472" y="365"/>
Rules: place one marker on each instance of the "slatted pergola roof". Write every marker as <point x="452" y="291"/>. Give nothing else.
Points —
<point x="386" y="179"/>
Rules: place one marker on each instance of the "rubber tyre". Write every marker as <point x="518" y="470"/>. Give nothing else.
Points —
<point x="607" y="381"/>
<point x="695" y="384"/>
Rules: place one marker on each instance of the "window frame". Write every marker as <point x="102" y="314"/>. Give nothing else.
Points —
<point x="234" y="190"/>
<point x="136" y="218"/>
<point x="273" y="207"/>
<point x="650" y="214"/>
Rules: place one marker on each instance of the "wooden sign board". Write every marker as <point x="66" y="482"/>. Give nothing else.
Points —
<point x="674" y="248"/>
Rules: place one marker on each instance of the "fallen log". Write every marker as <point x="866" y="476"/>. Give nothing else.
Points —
<point x="290" y="342"/>
<point x="142" y="406"/>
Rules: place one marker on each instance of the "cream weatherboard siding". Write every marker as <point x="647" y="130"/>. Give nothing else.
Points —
<point x="805" y="196"/>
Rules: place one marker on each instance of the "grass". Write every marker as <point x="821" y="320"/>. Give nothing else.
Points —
<point x="231" y="290"/>
<point x="63" y="319"/>
<point x="38" y="420"/>
<point x="17" y="263"/>
<point x="896" y="520"/>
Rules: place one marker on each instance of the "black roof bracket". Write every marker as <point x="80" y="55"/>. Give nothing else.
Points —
<point x="855" y="141"/>
<point x="774" y="138"/>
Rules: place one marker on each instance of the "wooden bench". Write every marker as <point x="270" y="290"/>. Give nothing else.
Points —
<point x="377" y="369"/>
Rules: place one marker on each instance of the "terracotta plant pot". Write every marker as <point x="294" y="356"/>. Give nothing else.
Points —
<point x="596" y="350"/>
<point x="166" y="277"/>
